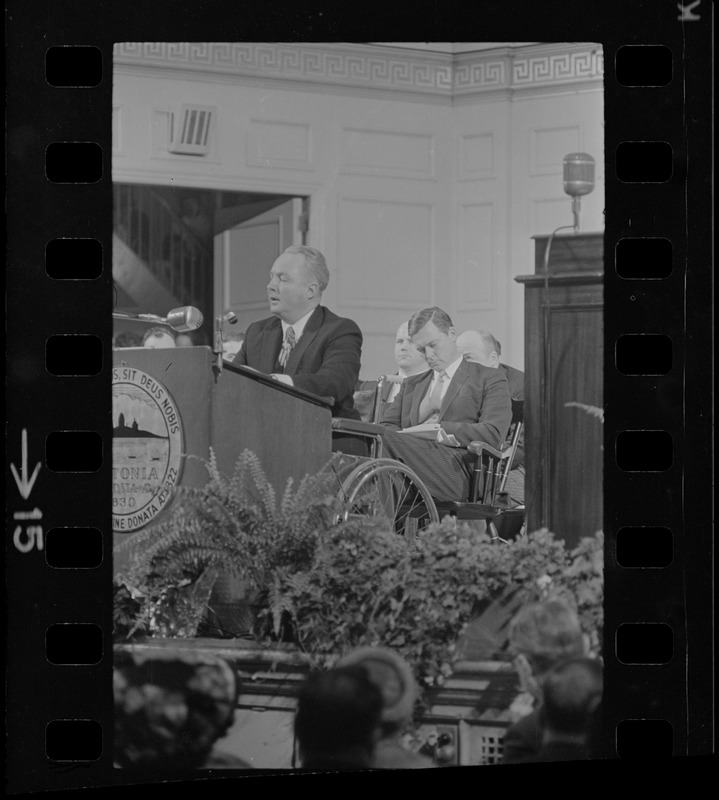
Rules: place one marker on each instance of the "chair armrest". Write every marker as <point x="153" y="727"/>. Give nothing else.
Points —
<point x="356" y="426"/>
<point x="477" y="448"/>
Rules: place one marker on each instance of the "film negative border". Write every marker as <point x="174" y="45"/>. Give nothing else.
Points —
<point x="51" y="593"/>
<point x="58" y="484"/>
<point x="656" y="457"/>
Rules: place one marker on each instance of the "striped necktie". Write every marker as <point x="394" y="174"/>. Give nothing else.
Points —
<point x="432" y="401"/>
<point x="287" y="345"/>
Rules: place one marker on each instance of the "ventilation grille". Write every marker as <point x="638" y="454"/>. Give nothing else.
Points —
<point x="191" y="129"/>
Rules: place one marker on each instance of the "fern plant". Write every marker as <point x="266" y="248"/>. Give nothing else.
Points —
<point x="234" y="525"/>
<point x="593" y="411"/>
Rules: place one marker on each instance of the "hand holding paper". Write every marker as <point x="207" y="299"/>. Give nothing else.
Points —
<point x="447" y="438"/>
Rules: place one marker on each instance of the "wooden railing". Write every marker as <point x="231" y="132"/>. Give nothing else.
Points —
<point x="147" y="223"/>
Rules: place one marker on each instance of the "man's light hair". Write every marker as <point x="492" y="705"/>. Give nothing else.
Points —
<point x="435" y="315"/>
<point x="488" y="341"/>
<point x="545" y="633"/>
<point x="315" y="263"/>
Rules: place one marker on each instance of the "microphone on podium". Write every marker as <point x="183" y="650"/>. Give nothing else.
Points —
<point x="230" y="317"/>
<point x="182" y="320"/>
<point x="578" y="180"/>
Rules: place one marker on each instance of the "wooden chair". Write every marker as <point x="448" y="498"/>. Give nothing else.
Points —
<point x="490" y="468"/>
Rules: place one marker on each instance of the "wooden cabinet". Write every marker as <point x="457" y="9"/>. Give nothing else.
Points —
<point x="564" y="357"/>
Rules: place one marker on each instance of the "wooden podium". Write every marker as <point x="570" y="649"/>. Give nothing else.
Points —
<point x="564" y="362"/>
<point x="170" y="406"/>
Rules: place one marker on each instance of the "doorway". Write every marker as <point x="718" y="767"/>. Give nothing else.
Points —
<point x="208" y="248"/>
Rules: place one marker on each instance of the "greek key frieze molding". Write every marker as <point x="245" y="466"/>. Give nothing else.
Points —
<point x="318" y="63"/>
<point x="558" y="68"/>
<point x="371" y="68"/>
<point x="481" y="74"/>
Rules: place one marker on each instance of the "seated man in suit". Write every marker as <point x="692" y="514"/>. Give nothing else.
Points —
<point x="409" y="362"/>
<point x="303" y="343"/>
<point x="467" y="402"/>
<point x="480" y="347"/>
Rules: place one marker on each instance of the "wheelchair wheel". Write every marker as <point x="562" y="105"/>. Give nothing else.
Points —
<point x="388" y="489"/>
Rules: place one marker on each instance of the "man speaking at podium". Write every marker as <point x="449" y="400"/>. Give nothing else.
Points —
<point x="304" y="344"/>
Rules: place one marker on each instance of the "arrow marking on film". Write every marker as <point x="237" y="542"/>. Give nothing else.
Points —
<point x="24" y="486"/>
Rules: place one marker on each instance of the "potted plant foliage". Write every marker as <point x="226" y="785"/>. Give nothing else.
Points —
<point x="235" y="531"/>
<point x="325" y="588"/>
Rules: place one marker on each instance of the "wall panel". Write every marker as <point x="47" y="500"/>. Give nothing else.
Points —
<point x="548" y="146"/>
<point x="476" y="279"/>
<point x="387" y="153"/>
<point x="385" y="249"/>
<point x="278" y="143"/>
<point x="476" y="157"/>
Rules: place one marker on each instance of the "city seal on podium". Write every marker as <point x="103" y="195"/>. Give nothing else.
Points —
<point x="147" y="446"/>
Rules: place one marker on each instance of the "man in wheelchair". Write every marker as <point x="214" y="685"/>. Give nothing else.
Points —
<point x="437" y="414"/>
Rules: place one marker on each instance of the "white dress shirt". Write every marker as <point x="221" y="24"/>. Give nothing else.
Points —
<point x="449" y="372"/>
<point x="298" y="327"/>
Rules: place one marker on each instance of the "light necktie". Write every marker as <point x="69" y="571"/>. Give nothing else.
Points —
<point x="287" y="345"/>
<point x="432" y="401"/>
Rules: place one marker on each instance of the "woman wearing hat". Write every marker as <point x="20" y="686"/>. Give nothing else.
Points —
<point x="392" y="675"/>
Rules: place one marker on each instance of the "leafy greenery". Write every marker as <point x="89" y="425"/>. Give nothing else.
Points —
<point x="368" y="587"/>
<point x="329" y="588"/>
<point x="163" y="604"/>
<point x="234" y="526"/>
<point x="593" y="411"/>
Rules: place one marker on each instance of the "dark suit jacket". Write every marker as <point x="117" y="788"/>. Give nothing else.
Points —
<point x="475" y="407"/>
<point x="364" y="397"/>
<point x="523" y="740"/>
<point x="365" y="393"/>
<point x="516" y="381"/>
<point x="515" y="378"/>
<point x="522" y="743"/>
<point x="325" y="360"/>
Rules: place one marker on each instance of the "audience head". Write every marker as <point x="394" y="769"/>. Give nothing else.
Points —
<point x="158" y="338"/>
<point x="479" y="347"/>
<point x="297" y="279"/>
<point x="231" y="343"/>
<point x="170" y="709"/>
<point x="434" y="335"/>
<point x="540" y="635"/>
<point x="406" y="355"/>
<point x="393" y="677"/>
<point x="128" y="339"/>
<point x="571" y="693"/>
<point x="337" y="720"/>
